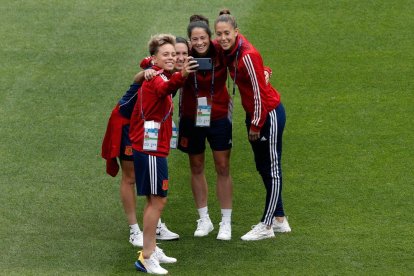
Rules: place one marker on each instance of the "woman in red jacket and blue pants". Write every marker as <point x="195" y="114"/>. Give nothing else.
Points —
<point x="265" y="121"/>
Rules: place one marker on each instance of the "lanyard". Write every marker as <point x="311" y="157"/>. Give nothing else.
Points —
<point x="236" y="64"/>
<point x="212" y="83"/>
<point x="166" y="115"/>
<point x="180" y="101"/>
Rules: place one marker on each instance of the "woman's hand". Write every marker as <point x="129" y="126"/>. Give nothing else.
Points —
<point x="267" y="77"/>
<point x="149" y="74"/>
<point x="253" y="135"/>
<point x="190" y="66"/>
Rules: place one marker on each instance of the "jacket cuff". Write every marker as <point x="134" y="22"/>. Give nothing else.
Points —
<point x="269" y="70"/>
<point x="146" y="63"/>
<point x="255" y="128"/>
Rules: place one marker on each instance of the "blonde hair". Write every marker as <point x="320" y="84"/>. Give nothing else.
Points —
<point x="156" y="41"/>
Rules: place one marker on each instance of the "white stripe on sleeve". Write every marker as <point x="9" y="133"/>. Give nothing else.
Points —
<point x="256" y="90"/>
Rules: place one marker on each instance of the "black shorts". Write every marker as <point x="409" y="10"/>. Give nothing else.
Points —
<point x="192" y="139"/>
<point x="126" y="146"/>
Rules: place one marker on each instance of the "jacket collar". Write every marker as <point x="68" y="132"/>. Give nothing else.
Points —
<point x="161" y="71"/>
<point x="237" y="45"/>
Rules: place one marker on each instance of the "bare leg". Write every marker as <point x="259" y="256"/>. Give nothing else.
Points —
<point x="127" y="191"/>
<point x="224" y="182"/>
<point x="152" y="213"/>
<point x="198" y="180"/>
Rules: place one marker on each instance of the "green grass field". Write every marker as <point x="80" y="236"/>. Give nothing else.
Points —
<point x="345" y="73"/>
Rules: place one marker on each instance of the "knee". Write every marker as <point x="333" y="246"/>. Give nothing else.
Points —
<point x="128" y="179"/>
<point x="128" y="173"/>
<point x="197" y="168"/>
<point x="222" y="168"/>
<point x="159" y="203"/>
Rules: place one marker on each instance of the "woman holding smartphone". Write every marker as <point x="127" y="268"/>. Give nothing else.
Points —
<point x="204" y="110"/>
<point x="116" y="144"/>
<point x="150" y="134"/>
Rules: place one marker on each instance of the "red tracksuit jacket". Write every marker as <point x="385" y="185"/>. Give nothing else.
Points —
<point x="258" y="99"/>
<point x="155" y="102"/>
<point x="221" y="98"/>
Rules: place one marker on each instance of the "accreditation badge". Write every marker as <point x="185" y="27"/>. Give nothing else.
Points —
<point x="230" y="111"/>
<point x="151" y="130"/>
<point x="203" y="112"/>
<point x="173" y="141"/>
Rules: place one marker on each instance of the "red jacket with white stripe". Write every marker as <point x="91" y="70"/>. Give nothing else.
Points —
<point x="258" y="98"/>
<point x="154" y="103"/>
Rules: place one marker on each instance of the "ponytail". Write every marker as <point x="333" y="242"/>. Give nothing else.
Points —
<point x="198" y="21"/>
<point x="199" y="17"/>
<point x="224" y="11"/>
<point x="225" y="16"/>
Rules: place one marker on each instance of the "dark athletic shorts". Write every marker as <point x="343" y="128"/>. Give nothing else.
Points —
<point x="126" y="146"/>
<point x="151" y="173"/>
<point x="192" y="139"/>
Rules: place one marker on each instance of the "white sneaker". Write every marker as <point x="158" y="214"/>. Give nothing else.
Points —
<point x="136" y="238"/>
<point x="258" y="232"/>
<point x="224" y="231"/>
<point x="204" y="226"/>
<point x="150" y="265"/>
<point x="281" y="227"/>
<point x="162" y="258"/>
<point x="163" y="233"/>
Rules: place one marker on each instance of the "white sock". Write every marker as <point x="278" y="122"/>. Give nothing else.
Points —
<point x="159" y="223"/>
<point x="226" y="215"/>
<point x="203" y="212"/>
<point x="134" y="228"/>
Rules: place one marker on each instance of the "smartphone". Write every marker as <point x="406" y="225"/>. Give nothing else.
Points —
<point x="204" y="64"/>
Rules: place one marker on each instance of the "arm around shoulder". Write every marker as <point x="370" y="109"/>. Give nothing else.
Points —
<point x="139" y="77"/>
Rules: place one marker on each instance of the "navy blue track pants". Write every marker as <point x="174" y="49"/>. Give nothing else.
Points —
<point x="267" y="155"/>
